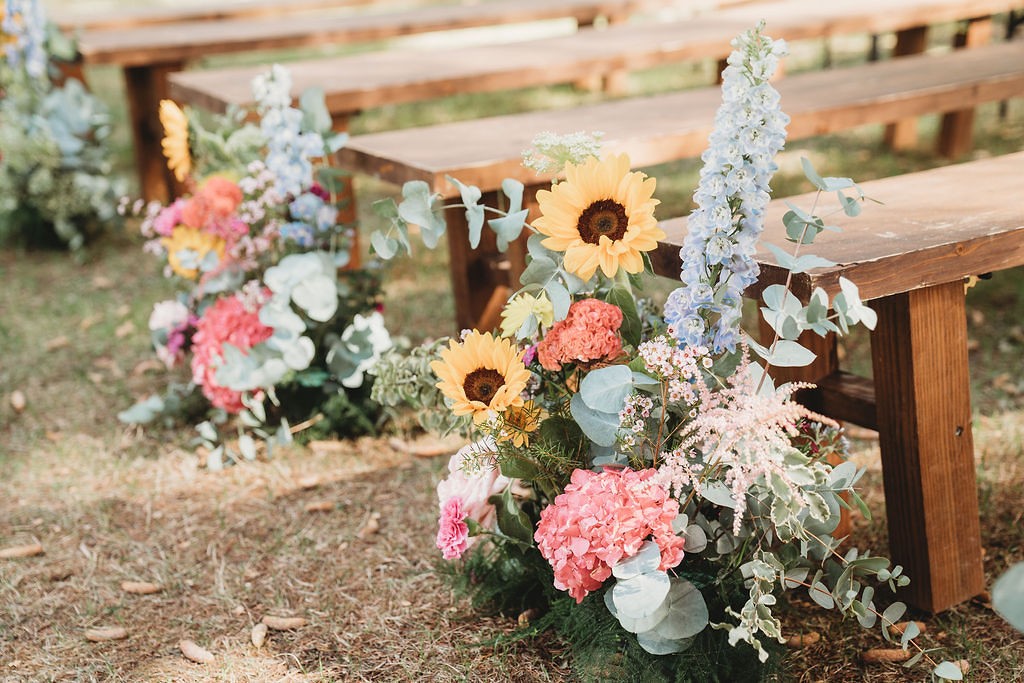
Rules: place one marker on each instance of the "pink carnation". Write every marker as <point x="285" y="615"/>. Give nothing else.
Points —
<point x="228" y="320"/>
<point x="169" y="218"/>
<point x="602" y="518"/>
<point x="452" y="533"/>
<point x="588" y="334"/>
<point x="473" y="483"/>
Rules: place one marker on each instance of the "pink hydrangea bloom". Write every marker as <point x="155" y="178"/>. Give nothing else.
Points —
<point x="602" y="518"/>
<point x="169" y="319"/>
<point x="588" y="334"/>
<point x="452" y="533"/>
<point x="228" y="320"/>
<point x="473" y="478"/>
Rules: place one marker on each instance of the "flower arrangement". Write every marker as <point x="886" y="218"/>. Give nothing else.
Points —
<point x="640" y="479"/>
<point x="55" y="164"/>
<point x="269" y="321"/>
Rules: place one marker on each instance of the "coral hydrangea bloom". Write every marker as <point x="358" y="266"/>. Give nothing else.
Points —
<point x="175" y="142"/>
<point x="228" y="321"/>
<point x="602" y="216"/>
<point x="603" y="518"/>
<point x="194" y="242"/>
<point x="481" y="376"/>
<point x="589" y="334"/>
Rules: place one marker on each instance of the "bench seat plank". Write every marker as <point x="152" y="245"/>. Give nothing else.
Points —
<point x="183" y="41"/>
<point x="355" y="82"/>
<point x="664" y="128"/>
<point x="932" y="227"/>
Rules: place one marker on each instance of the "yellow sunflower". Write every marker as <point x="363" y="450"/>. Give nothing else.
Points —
<point x="602" y="215"/>
<point x="519" y="423"/>
<point x="482" y="375"/>
<point x="195" y="242"/>
<point x="175" y="142"/>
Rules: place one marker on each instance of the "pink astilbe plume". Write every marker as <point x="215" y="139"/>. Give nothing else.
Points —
<point x="601" y="519"/>
<point x="740" y="435"/>
<point x="231" y="320"/>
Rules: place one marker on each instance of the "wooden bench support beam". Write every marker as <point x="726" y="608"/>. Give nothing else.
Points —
<point x="145" y="86"/>
<point x="919" y="351"/>
<point x="903" y="134"/>
<point x="957" y="129"/>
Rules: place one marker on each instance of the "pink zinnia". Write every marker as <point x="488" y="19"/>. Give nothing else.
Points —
<point x="452" y="533"/>
<point x="229" y="321"/>
<point x="602" y="518"/>
<point x="589" y="333"/>
<point x="169" y="218"/>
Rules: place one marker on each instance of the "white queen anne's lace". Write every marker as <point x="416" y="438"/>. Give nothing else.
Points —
<point x="718" y="254"/>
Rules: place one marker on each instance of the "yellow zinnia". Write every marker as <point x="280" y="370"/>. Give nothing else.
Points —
<point x="175" y="142"/>
<point x="482" y="375"/>
<point x="602" y="215"/>
<point x="186" y="239"/>
<point x="521" y="307"/>
<point x="519" y="423"/>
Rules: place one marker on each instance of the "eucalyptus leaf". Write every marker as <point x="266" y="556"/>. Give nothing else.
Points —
<point x="606" y="389"/>
<point x="645" y="560"/>
<point x="418" y="208"/>
<point x="1008" y="596"/>
<point x="948" y="671"/>
<point x="642" y="595"/>
<point x="474" y="212"/>
<point x="631" y="326"/>
<point x="598" y="426"/>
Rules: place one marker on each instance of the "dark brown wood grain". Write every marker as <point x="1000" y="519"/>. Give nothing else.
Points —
<point x="146" y="87"/>
<point x="957" y="127"/>
<point x="903" y="134"/>
<point x="922" y="391"/>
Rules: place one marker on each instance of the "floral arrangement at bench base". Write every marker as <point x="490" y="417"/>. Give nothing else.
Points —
<point x="635" y="481"/>
<point x="273" y="326"/>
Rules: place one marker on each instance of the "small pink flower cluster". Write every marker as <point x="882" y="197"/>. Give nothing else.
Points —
<point x="589" y="333"/>
<point x="453" y="532"/>
<point x="473" y="477"/>
<point x="231" y="320"/>
<point x="601" y="519"/>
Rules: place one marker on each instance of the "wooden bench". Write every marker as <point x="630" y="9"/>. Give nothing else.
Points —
<point x="149" y="53"/>
<point x="910" y="256"/>
<point x="663" y="128"/>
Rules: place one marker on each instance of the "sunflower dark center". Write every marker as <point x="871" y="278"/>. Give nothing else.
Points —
<point x="604" y="217"/>
<point x="482" y="384"/>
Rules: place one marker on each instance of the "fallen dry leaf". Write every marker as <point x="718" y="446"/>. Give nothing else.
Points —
<point x="57" y="343"/>
<point x="197" y="654"/>
<point x="283" y="623"/>
<point x="319" y="506"/>
<point x="323" y="446"/>
<point x="886" y="655"/>
<point x="89" y="321"/>
<point x="123" y="310"/>
<point x="259" y="635"/>
<point x="17" y="551"/>
<point x="124" y="329"/>
<point x="102" y="282"/>
<point x="898" y="629"/>
<point x="963" y="664"/>
<point x="18" y="401"/>
<point x="371" y="526"/>
<point x="804" y="639"/>
<point x="141" y="587"/>
<point x="427" y="448"/>
<point x="95" y="377"/>
<point x="310" y="482"/>
<point x="148" y="365"/>
<point x="105" y="633"/>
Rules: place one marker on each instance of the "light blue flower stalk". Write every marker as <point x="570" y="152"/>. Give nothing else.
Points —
<point x="25" y="21"/>
<point x="718" y="253"/>
<point x="289" y="148"/>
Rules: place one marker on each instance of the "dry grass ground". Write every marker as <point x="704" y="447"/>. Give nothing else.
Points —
<point x="295" y="536"/>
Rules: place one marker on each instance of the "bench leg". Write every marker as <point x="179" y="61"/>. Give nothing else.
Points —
<point x="345" y="199"/>
<point x="903" y="134"/>
<point x="956" y="131"/>
<point x="826" y="363"/>
<point x="145" y="86"/>
<point x="919" y="352"/>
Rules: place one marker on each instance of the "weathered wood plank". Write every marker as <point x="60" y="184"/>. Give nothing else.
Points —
<point x="922" y="389"/>
<point x="956" y="133"/>
<point x="146" y="86"/>
<point x="356" y="82"/>
<point x="133" y="16"/>
<point x="933" y="227"/>
<point x="190" y="40"/>
<point x="903" y="134"/>
<point x="664" y="128"/>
